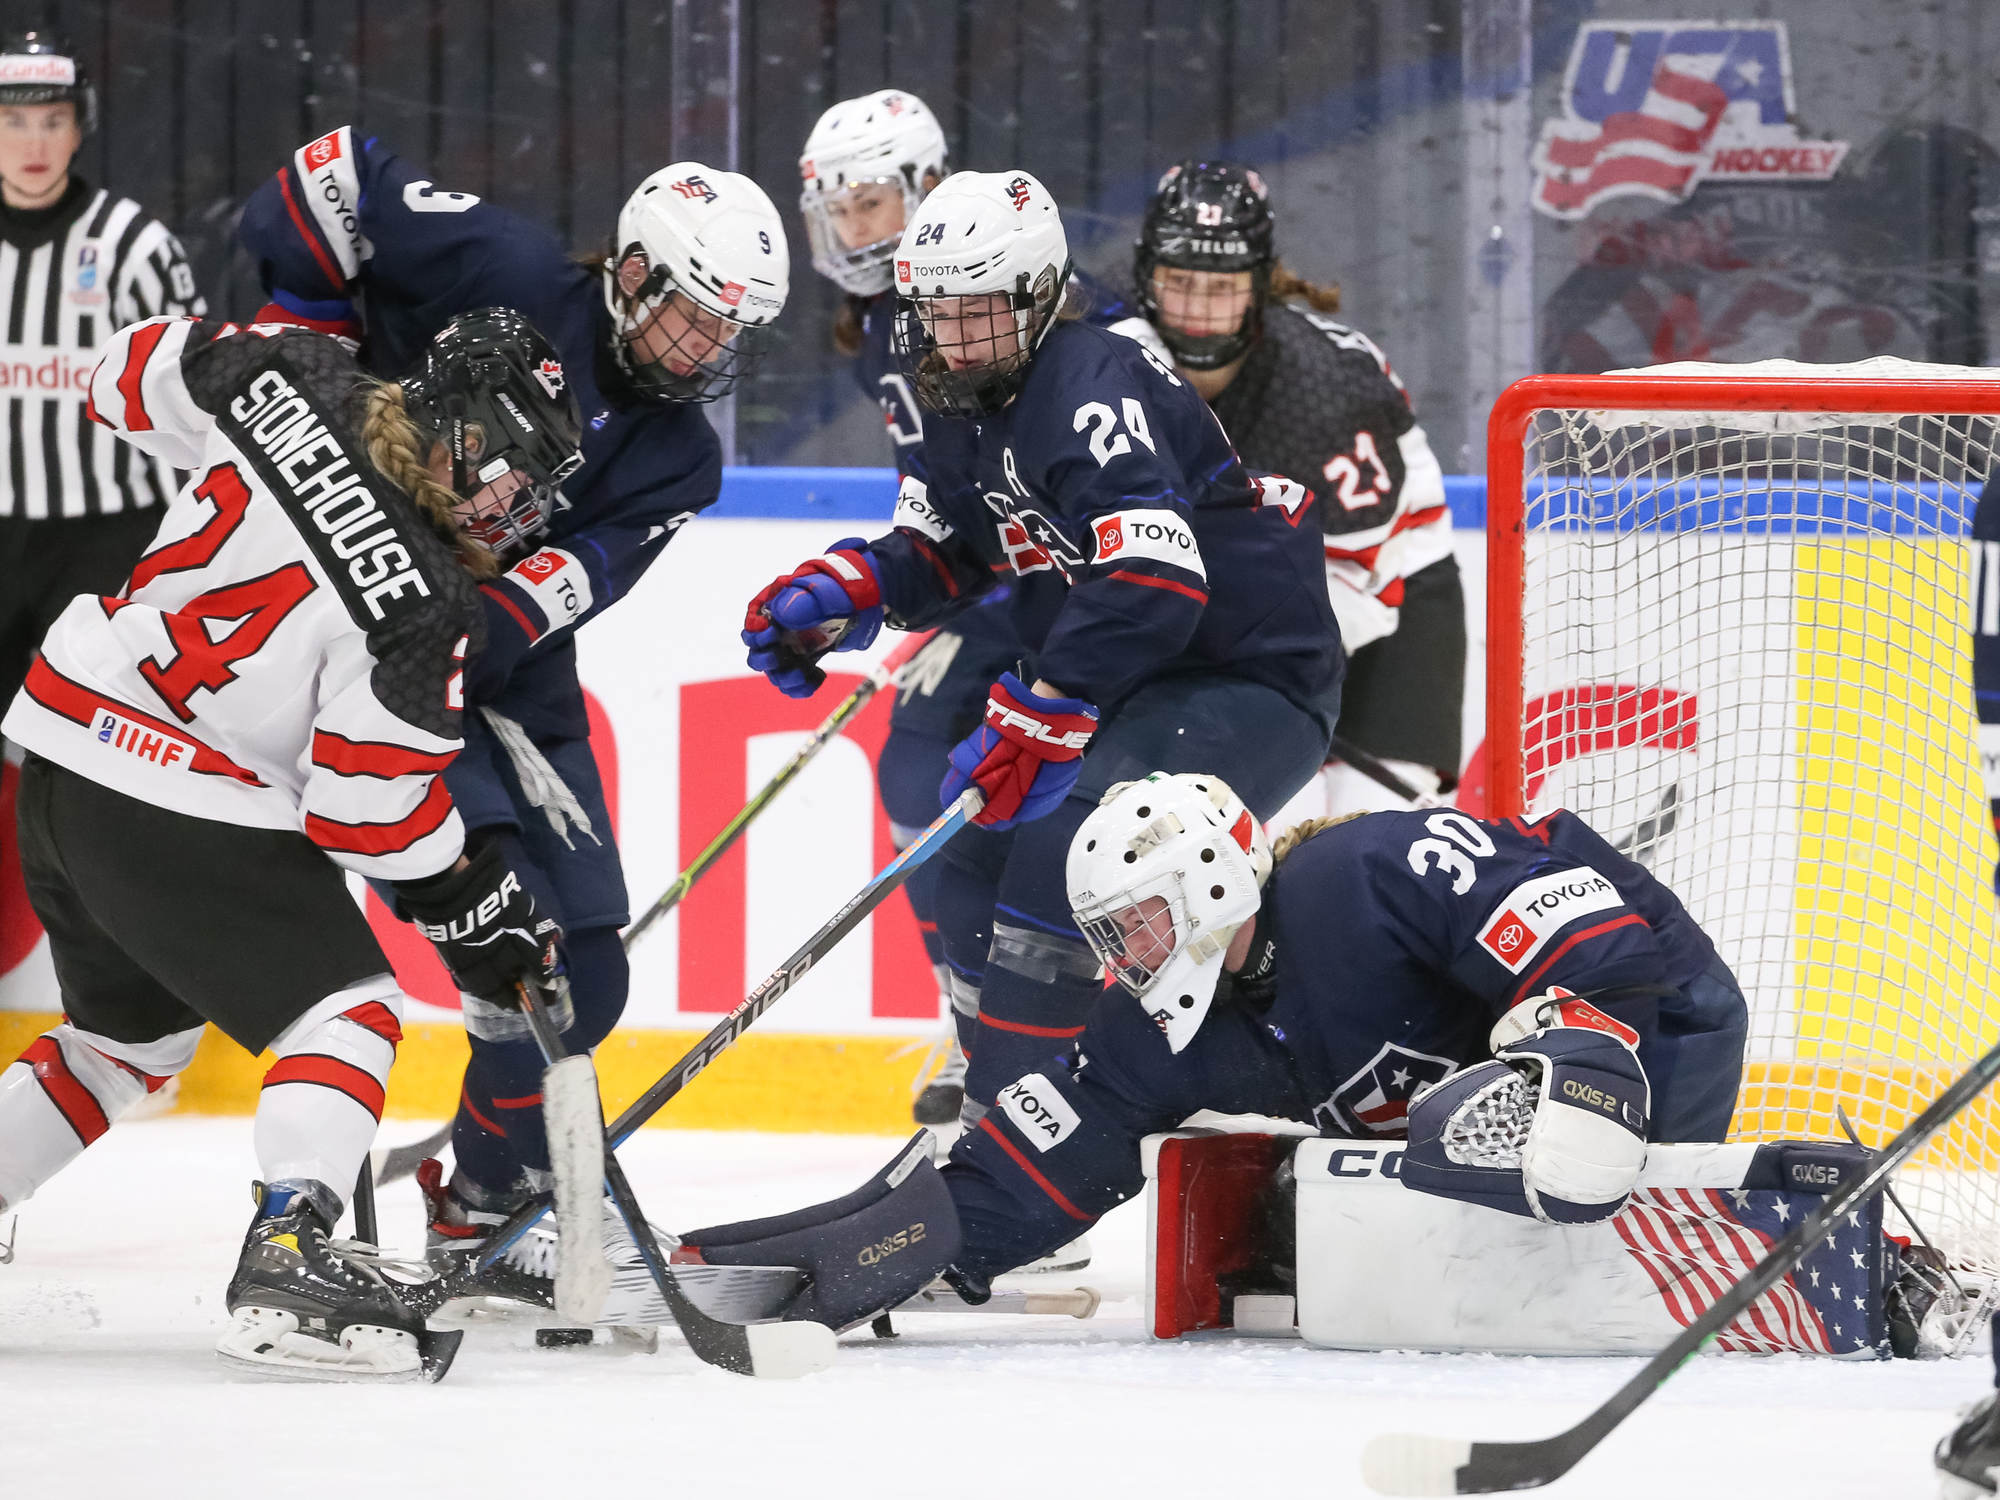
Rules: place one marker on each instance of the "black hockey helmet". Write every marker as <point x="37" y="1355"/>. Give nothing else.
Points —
<point x="39" y="66"/>
<point x="1207" y="216"/>
<point x="494" y="393"/>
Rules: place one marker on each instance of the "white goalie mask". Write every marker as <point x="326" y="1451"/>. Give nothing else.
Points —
<point x="980" y="275"/>
<point x="1161" y="876"/>
<point x="882" y="147"/>
<point x="716" y="271"/>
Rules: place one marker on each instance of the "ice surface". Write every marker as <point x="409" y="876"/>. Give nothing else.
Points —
<point x="109" y="1384"/>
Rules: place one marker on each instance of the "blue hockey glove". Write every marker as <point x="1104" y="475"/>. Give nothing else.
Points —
<point x="831" y="603"/>
<point x="1025" y="757"/>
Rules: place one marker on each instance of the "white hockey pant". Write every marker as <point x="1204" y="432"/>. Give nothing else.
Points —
<point x="316" y="1116"/>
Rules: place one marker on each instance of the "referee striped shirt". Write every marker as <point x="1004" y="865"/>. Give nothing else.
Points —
<point x="70" y="277"/>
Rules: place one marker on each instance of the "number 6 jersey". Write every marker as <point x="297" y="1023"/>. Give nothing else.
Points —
<point x="287" y="654"/>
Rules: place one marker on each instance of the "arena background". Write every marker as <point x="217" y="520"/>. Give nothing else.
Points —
<point x="1460" y="167"/>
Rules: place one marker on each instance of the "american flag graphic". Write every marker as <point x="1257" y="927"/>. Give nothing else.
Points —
<point x="1694" y="1243"/>
<point x="1655" y="149"/>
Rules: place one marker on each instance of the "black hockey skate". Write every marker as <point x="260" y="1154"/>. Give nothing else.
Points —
<point x="941" y="1093"/>
<point x="302" y="1311"/>
<point x="456" y="1240"/>
<point x="1969" y="1458"/>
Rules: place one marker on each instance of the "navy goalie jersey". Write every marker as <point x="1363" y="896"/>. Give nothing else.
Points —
<point x="1403" y="936"/>
<point x="348" y="219"/>
<point x="1138" y="544"/>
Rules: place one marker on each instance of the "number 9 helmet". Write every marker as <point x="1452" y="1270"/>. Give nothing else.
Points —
<point x="494" y="393"/>
<point x="699" y="270"/>
<point x="888" y="138"/>
<point x="980" y="273"/>
<point x="1161" y="876"/>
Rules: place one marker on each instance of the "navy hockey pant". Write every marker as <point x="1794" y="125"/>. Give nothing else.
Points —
<point x="1023" y="979"/>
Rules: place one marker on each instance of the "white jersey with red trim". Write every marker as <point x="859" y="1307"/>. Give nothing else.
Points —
<point x="288" y="652"/>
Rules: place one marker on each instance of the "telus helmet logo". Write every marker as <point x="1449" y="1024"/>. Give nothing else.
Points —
<point x="1018" y="191"/>
<point x="695" y="187"/>
<point x="549" y="375"/>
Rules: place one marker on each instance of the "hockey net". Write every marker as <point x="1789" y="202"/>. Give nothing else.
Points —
<point x="1730" y="621"/>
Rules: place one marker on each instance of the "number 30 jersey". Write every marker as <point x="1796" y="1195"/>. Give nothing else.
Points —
<point x="287" y="654"/>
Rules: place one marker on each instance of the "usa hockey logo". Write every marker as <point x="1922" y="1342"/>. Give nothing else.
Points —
<point x="1656" y="109"/>
<point x="1018" y="191"/>
<point x="549" y="376"/>
<point x="695" y="187"/>
<point x="1376" y="1099"/>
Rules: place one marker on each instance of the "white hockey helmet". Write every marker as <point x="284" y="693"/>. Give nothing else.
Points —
<point x="714" y="240"/>
<point x="1161" y="876"/>
<point x="981" y="236"/>
<point x="888" y="139"/>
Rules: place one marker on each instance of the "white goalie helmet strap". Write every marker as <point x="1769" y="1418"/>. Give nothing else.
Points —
<point x="716" y="237"/>
<point x="1189" y="840"/>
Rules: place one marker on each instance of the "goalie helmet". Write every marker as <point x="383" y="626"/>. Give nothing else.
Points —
<point x="41" y="67"/>
<point x="1207" y="216"/>
<point x="980" y="274"/>
<point x="888" y="139"/>
<point x="716" y="270"/>
<point x="494" y="393"/>
<point x="1161" y="876"/>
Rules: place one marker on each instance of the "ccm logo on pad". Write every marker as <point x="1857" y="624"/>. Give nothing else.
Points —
<point x="1039" y="1112"/>
<point x="1156" y="534"/>
<point x="1532" y="913"/>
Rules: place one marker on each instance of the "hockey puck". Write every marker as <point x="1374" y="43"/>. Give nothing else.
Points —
<point x="562" y="1338"/>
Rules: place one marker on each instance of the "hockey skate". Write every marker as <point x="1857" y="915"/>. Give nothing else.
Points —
<point x="940" y="1085"/>
<point x="1936" y="1309"/>
<point x="1968" y="1460"/>
<point x="302" y="1311"/>
<point x="455" y="1240"/>
<point x="1074" y="1256"/>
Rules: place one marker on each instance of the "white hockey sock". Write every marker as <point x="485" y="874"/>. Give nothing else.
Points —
<point x="323" y="1097"/>
<point x="66" y="1090"/>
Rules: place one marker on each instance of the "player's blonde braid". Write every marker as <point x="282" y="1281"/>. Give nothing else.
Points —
<point x="1287" y="286"/>
<point x="1298" y="833"/>
<point x="397" y="450"/>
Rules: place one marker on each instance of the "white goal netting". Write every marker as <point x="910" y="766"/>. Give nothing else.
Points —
<point x="1744" y="653"/>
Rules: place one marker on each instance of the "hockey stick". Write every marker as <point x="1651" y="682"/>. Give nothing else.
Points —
<point x="1410" y="1464"/>
<point x="886" y="671"/>
<point x="365" y="1227"/>
<point x="1380" y="773"/>
<point x="398" y="1162"/>
<point x="725" y="1032"/>
<point x="573" y="1117"/>
<point x="769" y="1349"/>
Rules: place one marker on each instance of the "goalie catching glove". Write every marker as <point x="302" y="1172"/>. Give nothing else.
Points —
<point x="1554" y="1126"/>
<point x="484" y="926"/>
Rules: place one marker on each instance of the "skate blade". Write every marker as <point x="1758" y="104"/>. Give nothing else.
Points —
<point x="1075" y="1256"/>
<point x="732" y="1294"/>
<point x="267" y="1344"/>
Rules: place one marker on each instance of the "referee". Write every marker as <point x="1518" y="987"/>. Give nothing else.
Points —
<point x="77" y="507"/>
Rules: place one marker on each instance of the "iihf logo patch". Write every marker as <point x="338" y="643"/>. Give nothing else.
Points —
<point x="1375" y="1100"/>
<point x="1018" y="191"/>
<point x="549" y="376"/>
<point x="695" y="187"/>
<point x="85" y="288"/>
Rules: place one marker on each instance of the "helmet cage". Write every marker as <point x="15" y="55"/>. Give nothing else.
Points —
<point x="1135" y="952"/>
<point x="1207" y="216"/>
<point x="866" y="270"/>
<point x="716" y="366"/>
<point x="1202" y="351"/>
<point x="506" y="495"/>
<point x="984" y="387"/>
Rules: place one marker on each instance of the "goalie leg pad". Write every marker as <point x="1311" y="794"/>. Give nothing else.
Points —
<point x="863" y="1254"/>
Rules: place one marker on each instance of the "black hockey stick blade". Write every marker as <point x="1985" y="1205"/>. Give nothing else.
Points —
<point x="437" y="1348"/>
<point x="1411" y="1464"/>
<point x="1379" y="772"/>
<point x="399" y="1162"/>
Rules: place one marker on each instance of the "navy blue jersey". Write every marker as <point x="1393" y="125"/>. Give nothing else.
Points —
<point x="346" y="218"/>
<point x="1403" y="936"/>
<point x="1392" y="943"/>
<point x="1139" y="545"/>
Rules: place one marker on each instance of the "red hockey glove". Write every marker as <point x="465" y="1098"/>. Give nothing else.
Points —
<point x="1025" y="757"/>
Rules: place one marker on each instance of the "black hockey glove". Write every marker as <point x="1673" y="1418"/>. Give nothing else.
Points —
<point x="485" y="927"/>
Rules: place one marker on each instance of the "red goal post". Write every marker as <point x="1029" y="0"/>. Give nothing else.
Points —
<point x="1729" y="621"/>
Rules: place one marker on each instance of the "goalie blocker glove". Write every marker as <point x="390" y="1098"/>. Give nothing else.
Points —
<point x="1553" y="1127"/>
<point x="484" y="926"/>
<point x="830" y="603"/>
<point x="1025" y="757"/>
